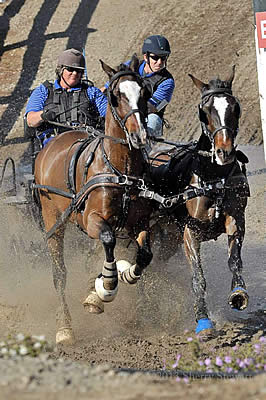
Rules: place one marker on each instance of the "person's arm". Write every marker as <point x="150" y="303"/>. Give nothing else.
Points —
<point x="99" y="99"/>
<point x="164" y="93"/>
<point x="34" y="108"/>
<point x="34" y="119"/>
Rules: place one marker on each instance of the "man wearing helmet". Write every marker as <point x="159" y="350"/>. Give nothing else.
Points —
<point x="156" y="50"/>
<point x="67" y="101"/>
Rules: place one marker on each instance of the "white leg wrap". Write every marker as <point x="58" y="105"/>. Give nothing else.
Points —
<point x="105" y="295"/>
<point x="109" y="271"/>
<point x="126" y="272"/>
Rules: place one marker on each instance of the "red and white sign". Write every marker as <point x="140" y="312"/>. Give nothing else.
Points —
<point x="261" y="29"/>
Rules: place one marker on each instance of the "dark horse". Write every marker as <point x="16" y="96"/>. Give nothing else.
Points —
<point x="94" y="181"/>
<point x="206" y="181"/>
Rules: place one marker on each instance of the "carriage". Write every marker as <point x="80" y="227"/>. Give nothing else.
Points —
<point x="105" y="183"/>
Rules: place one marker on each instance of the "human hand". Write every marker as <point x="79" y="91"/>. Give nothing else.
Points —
<point x="48" y="115"/>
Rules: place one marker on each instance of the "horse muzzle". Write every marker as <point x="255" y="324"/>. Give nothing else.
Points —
<point x="225" y="156"/>
<point x="138" y="139"/>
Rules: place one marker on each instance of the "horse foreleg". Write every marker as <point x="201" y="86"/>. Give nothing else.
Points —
<point x="64" y="333"/>
<point x="192" y="250"/>
<point x="238" y="298"/>
<point x="131" y="273"/>
<point x="106" y="285"/>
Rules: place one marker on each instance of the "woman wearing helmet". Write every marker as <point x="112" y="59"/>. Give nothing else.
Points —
<point x="67" y="101"/>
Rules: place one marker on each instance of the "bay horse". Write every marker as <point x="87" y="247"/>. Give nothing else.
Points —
<point x="207" y="179"/>
<point x="93" y="181"/>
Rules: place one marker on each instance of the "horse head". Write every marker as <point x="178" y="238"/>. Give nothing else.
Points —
<point x="219" y="113"/>
<point x="127" y="97"/>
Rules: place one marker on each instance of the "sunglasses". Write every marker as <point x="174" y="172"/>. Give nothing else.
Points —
<point x="156" y="58"/>
<point x="72" y="69"/>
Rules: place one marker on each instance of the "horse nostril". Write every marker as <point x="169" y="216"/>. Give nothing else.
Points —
<point x="224" y="154"/>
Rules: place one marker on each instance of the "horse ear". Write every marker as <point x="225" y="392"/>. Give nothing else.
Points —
<point x="199" y="84"/>
<point x="108" y="70"/>
<point x="134" y="63"/>
<point x="231" y="77"/>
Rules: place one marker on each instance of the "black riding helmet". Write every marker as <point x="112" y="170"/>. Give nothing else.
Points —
<point x="156" y="44"/>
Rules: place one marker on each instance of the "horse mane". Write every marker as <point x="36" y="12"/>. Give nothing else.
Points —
<point x="122" y="67"/>
<point x="217" y="83"/>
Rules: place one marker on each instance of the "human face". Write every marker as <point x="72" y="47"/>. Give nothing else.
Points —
<point x="157" y="62"/>
<point x="70" y="77"/>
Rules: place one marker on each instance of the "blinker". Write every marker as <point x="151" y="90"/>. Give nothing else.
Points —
<point x="202" y="116"/>
<point x="113" y="99"/>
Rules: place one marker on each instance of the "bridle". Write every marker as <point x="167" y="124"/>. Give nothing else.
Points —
<point x="110" y="96"/>
<point x="205" y="97"/>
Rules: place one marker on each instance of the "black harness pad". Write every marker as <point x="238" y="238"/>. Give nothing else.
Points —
<point x="173" y="176"/>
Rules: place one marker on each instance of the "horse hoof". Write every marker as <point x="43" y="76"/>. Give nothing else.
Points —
<point x="65" y="337"/>
<point x="238" y="299"/>
<point x="93" y="304"/>
<point x="205" y="329"/>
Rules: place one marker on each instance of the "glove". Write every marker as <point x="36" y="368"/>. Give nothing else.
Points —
<point x="48" y="115"/>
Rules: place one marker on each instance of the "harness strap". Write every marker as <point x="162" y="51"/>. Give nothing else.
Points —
<point x="97" y="181"/>
<point x="63" y="107"/>
<point x="212" y="92"/>
<point x="94" y="183"/>
<point x="75" y="101"/>
<point x="133" y="111"/>
<point x="56" y="97"/>
<point x="71" y="183"/>
<point x="54" y="190"/>
<point x="217" y="189"/>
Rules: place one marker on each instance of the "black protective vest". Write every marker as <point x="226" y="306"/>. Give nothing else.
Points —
<point x="155" y="80"/>
<point x="72" y="107"/>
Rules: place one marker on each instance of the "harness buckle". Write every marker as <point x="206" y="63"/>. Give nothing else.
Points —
<point x="220" y="184"/>
<point x="147" y="194"/>
<point x="167" y="203"/>
<point x="124" y="181"/>
<point x="142" y="185"/>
